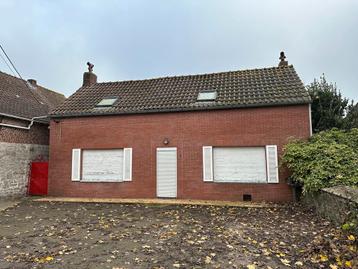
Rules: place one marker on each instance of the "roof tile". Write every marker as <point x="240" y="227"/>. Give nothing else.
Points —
<point x="256" y="87"/>
<point x="18" y="99"/>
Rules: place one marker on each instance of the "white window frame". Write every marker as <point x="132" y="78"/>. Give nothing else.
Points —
<point x="127" y="177"/>
<point x="76" y="167"/>
<point x="277" y="179"/>
<point x="80" y="166"/>
<point x="263" y="181"/>
<point x="265" y="147"/>
<point x="211" y="178"/>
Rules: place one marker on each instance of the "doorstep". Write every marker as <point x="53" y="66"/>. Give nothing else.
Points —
<point x="156" y="201"/>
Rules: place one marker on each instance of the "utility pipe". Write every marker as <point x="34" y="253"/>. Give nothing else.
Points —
<point x="22" y="127"/>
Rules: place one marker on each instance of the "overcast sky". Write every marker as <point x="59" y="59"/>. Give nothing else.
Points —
<point x="51" y="41"/>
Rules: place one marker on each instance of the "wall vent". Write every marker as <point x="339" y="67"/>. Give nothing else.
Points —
<point x="246" y="197"/>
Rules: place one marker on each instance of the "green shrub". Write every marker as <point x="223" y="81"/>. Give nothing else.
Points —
<point x="329" y="158"/>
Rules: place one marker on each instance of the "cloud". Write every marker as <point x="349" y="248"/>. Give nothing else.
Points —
<point x="51" y="41"/>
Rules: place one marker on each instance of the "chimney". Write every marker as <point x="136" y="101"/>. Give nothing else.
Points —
<point x="89" y="78"/>
<point x="282" y="58"/>
<point x="32" y="82"/>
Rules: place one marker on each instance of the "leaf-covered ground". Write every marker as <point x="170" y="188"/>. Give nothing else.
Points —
<point x="73" y="235"/>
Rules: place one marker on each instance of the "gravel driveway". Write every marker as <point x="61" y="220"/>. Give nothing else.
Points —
<point x="89" y="235"/>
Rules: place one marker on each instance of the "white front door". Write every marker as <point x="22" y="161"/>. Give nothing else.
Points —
<point x="167" y="172"/>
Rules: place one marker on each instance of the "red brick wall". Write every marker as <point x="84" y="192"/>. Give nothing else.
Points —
<point x="188" y="131"/>
<point x="38" y="134"/>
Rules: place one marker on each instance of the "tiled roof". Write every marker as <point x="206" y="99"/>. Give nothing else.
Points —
<point x="19" y="99"/>
<point x="247" y="88"/>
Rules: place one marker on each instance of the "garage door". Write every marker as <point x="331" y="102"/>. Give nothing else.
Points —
<point x="167" y="172"/>
<point x="239" y="164"/>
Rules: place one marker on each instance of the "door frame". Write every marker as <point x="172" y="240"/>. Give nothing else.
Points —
<point x="176" y="169"/>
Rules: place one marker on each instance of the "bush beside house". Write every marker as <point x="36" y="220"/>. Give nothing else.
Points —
<point x="326" y="167"/>
<point x="328" y="159"/>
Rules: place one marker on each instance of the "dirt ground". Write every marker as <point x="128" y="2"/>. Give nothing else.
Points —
<point x="89" y="235"/>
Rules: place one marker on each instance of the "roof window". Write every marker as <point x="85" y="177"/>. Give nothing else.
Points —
<point x="207" y="95"/>
<point x="107" y="102"/>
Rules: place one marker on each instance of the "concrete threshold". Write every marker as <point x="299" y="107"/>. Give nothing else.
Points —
<point x="8" y="203"/>
<point x="156" y="201"/>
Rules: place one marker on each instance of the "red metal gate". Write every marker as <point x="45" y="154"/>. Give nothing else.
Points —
<point x="38" y="178"/>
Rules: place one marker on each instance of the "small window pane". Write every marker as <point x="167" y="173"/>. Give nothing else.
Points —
<point x="207" y="96"/>
<point x="107" y="102"/>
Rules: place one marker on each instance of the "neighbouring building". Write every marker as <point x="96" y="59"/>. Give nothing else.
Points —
<point x="24" y="132"/>
<point x="210" y="136"/>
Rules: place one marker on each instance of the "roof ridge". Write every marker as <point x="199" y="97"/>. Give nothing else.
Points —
<point x="26" y="85"/>
<point x="52" y="91"/>
<point x="25" y="81"/>
<point x="195" y="75"/>
<point x="29" y="101"/>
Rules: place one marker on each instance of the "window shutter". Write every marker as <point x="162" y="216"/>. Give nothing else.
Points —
<point x="208" y="163"/>
<point x="272" y="164"/>
<point x="76" y="164"/>
<point x="127" y="164"/>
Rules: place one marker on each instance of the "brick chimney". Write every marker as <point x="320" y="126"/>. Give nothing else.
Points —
<point x="32" y="82"/>
<point x="282" y="58"/>
<point x="89" y="78"/>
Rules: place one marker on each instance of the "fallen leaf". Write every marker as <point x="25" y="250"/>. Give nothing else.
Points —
<point x="285" y="262"/>
<point x="348" y="264"/>
<point x="351" y="237"/>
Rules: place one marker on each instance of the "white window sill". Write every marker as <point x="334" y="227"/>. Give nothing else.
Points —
<point x="101" y="181"/>
<point x="240" y="182"/>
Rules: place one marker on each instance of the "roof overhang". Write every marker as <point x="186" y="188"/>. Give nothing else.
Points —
<point x="187" y="109"/>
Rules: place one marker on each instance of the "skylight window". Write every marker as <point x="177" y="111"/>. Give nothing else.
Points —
<point x="107" y="102"/>
<point x="207" y="95"/>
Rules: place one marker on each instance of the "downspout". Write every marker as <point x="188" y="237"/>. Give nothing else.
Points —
<point x="22" y="127"/>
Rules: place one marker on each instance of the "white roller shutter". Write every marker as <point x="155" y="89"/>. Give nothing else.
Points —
<point x="127" y="164"/>
<point x="167" y="172"/>
<point x="208" y="163"/>
<point x="102" y="165"/>
<point x="239" y="164"/>
<point x="76" y="165"/>
<point x="272" y="164"/>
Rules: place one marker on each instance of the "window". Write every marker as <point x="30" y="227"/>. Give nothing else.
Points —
<point x="209" y="95"/>
<point x="107" y="102"/>
<point x="102" y="165"/>
<point x="239" y="164"/>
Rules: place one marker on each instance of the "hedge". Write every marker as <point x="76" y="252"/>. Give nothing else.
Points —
<point x="329" y="158"/>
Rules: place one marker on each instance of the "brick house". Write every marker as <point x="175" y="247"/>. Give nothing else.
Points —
<point x="24" y="132"/>
<point x="211" y="136"/>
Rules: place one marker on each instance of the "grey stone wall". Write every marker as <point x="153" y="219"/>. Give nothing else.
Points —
<point x="14" y="166"/>
<point x="339" y="204"/>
